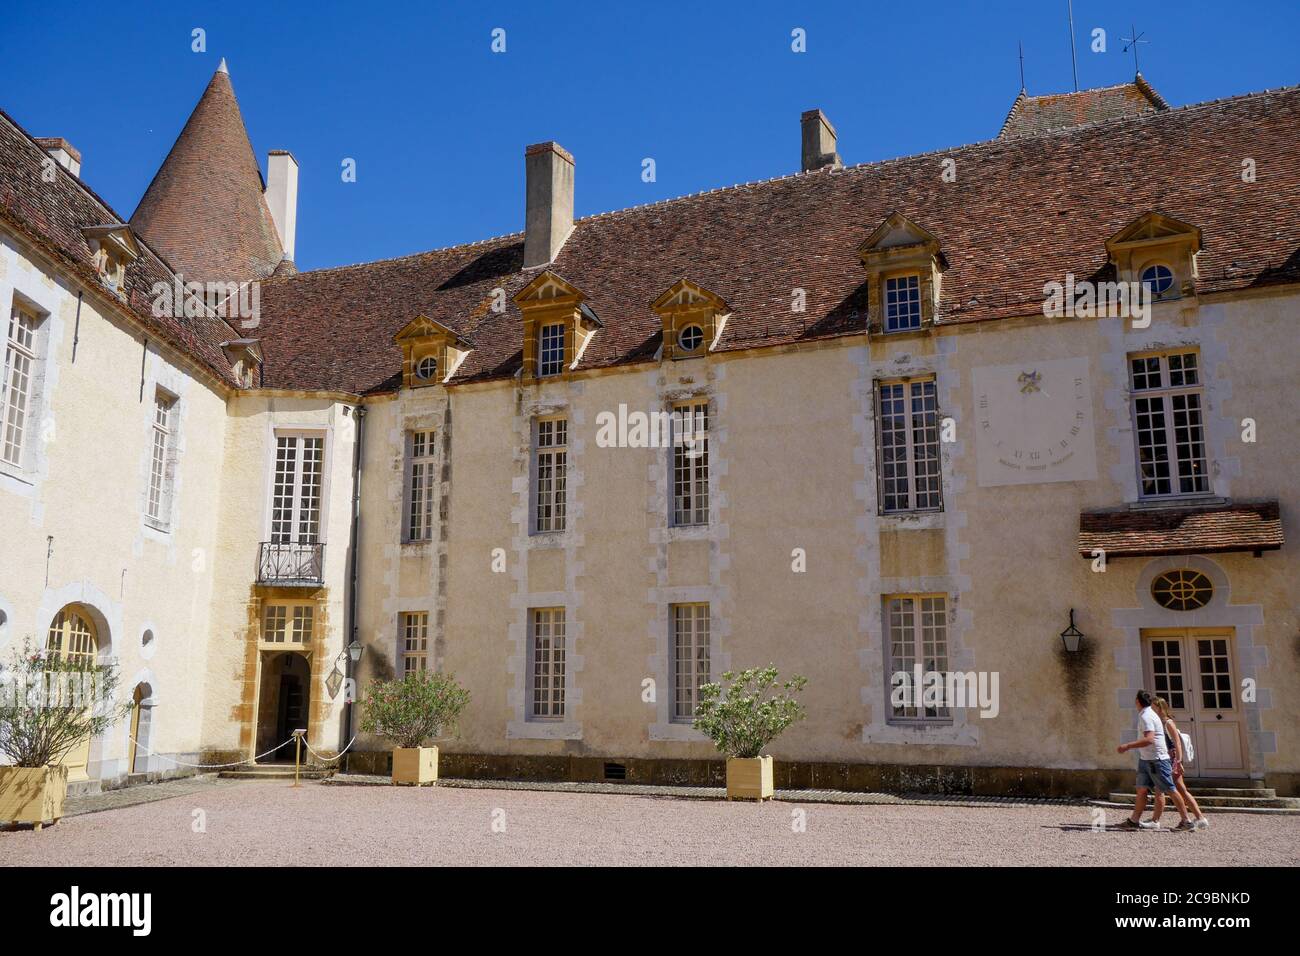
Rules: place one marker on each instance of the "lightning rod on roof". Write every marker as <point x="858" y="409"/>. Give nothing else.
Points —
<point x="1022" y="65"/>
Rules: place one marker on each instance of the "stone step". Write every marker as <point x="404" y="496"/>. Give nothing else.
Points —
<point x="1262" y="811"/>
<point x="1224" y="803"/>
<point x="1266" y="792"/>
<point x="274" y="772"/>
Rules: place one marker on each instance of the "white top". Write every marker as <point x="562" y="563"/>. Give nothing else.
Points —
<point x="1156" y="750"/>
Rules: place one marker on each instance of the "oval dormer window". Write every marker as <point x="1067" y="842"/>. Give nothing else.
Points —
<point x="426" y="369"/>
<point x="1182" y="590"/>
<point x="690" y="338"/>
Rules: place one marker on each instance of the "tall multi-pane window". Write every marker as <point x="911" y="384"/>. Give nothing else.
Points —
<point x="415" y="641"/>
<point x="902" y="303"/>
<point x="421" y="485"/>
<point x="907" y="445"/>
<point x="690" y="640"/>
<point x="1168" y="402"/>
<point x="16" y="385"/>
<point x="546" y="659"/>
<point x="296" y="497"/>
<point x="288" y="624"/>
<point x="916" y="632"/>
<point x="162" y="450"/>
<point x="550" y="460"/>
<point x="550" y="349"/>
<point x="690" y="425"/>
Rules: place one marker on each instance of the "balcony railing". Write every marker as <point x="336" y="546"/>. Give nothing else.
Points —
<point x="290" y="564"/>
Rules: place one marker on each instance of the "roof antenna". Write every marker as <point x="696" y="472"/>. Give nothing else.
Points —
<point x="1022" y="65"/>
<point x="1074" y="57"/>
<point x="1133" y="41"/>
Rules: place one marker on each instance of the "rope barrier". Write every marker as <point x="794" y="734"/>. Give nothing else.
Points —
<point x="328" y="759"/>
<point x="212" y="766"/>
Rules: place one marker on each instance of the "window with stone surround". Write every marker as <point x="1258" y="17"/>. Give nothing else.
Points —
<point x="546" y="663"/>
<point x="288" y="624"/>
<point x="690" y="477"/>
<point x="550" y="462"/>
<point x="690" y="670"/>
<point x="18" y="383"/>
<point x="1169" y="423"/>
<point x="162" y="460"/>
<point x="916" y="634"/>
<point x="421" y="484"/>
<point x="907" y="446"/>
<point x="415" y="641"/>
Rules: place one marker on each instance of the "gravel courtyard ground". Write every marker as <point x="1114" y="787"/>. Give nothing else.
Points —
<point x="272" y="824"/>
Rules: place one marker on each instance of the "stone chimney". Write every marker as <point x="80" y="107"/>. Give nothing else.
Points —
<point x="548" y="168"/>
<point x="282" y="196"/>
<point x="64" y="153"/>
<point x="818" y="141"/>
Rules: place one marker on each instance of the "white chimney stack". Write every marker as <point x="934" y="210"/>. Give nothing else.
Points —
<point x="548" y="220"/>
<point x="63" y="152"/>
<point x="282" y="196"/>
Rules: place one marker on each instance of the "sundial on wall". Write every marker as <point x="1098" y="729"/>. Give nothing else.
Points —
<point x="1033" y="422"/>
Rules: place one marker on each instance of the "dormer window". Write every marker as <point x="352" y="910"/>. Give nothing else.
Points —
<point x="1158" y="251"/>
<point x="904" y="269"/>
<point x="902" y="303"/>
<point x="558" y="326"/>
<point x="550" y="350"/>
<point x="245" y="357"/>
<point x="1159" y="281"/>
<point x="693" y="319"/>
<point x="112" y="248"/>
<point x="431" y="352"/>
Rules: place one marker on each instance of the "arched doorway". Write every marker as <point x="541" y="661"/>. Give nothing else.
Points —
<point x="285" y="703"/>
<point x="72" y="637"/>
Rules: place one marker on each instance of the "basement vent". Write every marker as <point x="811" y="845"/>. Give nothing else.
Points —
<point x="615" y="771"/>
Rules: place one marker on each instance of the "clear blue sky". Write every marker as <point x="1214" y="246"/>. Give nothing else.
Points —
<point x="437" y="122"/>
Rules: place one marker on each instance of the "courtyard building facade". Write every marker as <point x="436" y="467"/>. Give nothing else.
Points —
<point x="907" y="428"/>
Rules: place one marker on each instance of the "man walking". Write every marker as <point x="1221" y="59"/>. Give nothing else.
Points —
<point x="1154" y="769"/>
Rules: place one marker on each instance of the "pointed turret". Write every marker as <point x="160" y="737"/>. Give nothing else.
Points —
<point x="205" y="210"/>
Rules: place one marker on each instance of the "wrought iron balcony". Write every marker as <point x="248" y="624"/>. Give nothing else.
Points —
<point x="288" y="564"/>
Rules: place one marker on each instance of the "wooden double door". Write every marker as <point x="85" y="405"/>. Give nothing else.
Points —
<point x="1195" y="670"/>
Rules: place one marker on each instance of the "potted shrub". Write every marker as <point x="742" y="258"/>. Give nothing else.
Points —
<point x="419" y="707"/>
<point x="48" y="706"/>
<point x="752" y="712"/>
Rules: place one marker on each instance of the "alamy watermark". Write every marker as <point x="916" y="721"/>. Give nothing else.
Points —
<point x="945" y="690"/>
<point x="233" y="301"/>
<point x="1085" y="300"/>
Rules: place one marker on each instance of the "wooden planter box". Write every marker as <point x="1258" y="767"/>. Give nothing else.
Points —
<point x="749" y="778"/>
<point x="415" y="766"/>
<point x="32" y="794"/>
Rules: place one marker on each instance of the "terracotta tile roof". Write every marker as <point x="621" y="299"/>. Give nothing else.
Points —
<point x="1193" y="530"/>
<point x="53" y="214"/>
<point x="1038" y="114"/>
<point x="205" y="211"/>
<point x="1023" y="211"/>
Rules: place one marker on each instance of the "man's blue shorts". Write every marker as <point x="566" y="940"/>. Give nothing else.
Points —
<point x="1156" y="775"/>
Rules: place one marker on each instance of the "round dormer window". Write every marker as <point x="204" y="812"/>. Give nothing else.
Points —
<point x="1158" y="279"/>
<point x="427" y="368"/>
<point x="1182" y="590"/>
<point x="690" y="338"/>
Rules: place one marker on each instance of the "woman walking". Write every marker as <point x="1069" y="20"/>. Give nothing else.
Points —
<point x="1174" y="740"/>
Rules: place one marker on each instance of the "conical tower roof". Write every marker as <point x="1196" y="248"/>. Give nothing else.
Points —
<point x="204" y="210"/>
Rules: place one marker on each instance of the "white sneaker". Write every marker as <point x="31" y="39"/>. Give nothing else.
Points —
<point x="1201" y="823"/>
<point x="1149" y="824"/>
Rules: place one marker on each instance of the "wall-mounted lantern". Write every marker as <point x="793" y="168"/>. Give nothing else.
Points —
<point x="1071" y="636"/>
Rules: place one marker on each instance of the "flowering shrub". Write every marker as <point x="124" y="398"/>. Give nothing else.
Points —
<point x="419" y="707"/>
<point x="746" y="718"/>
